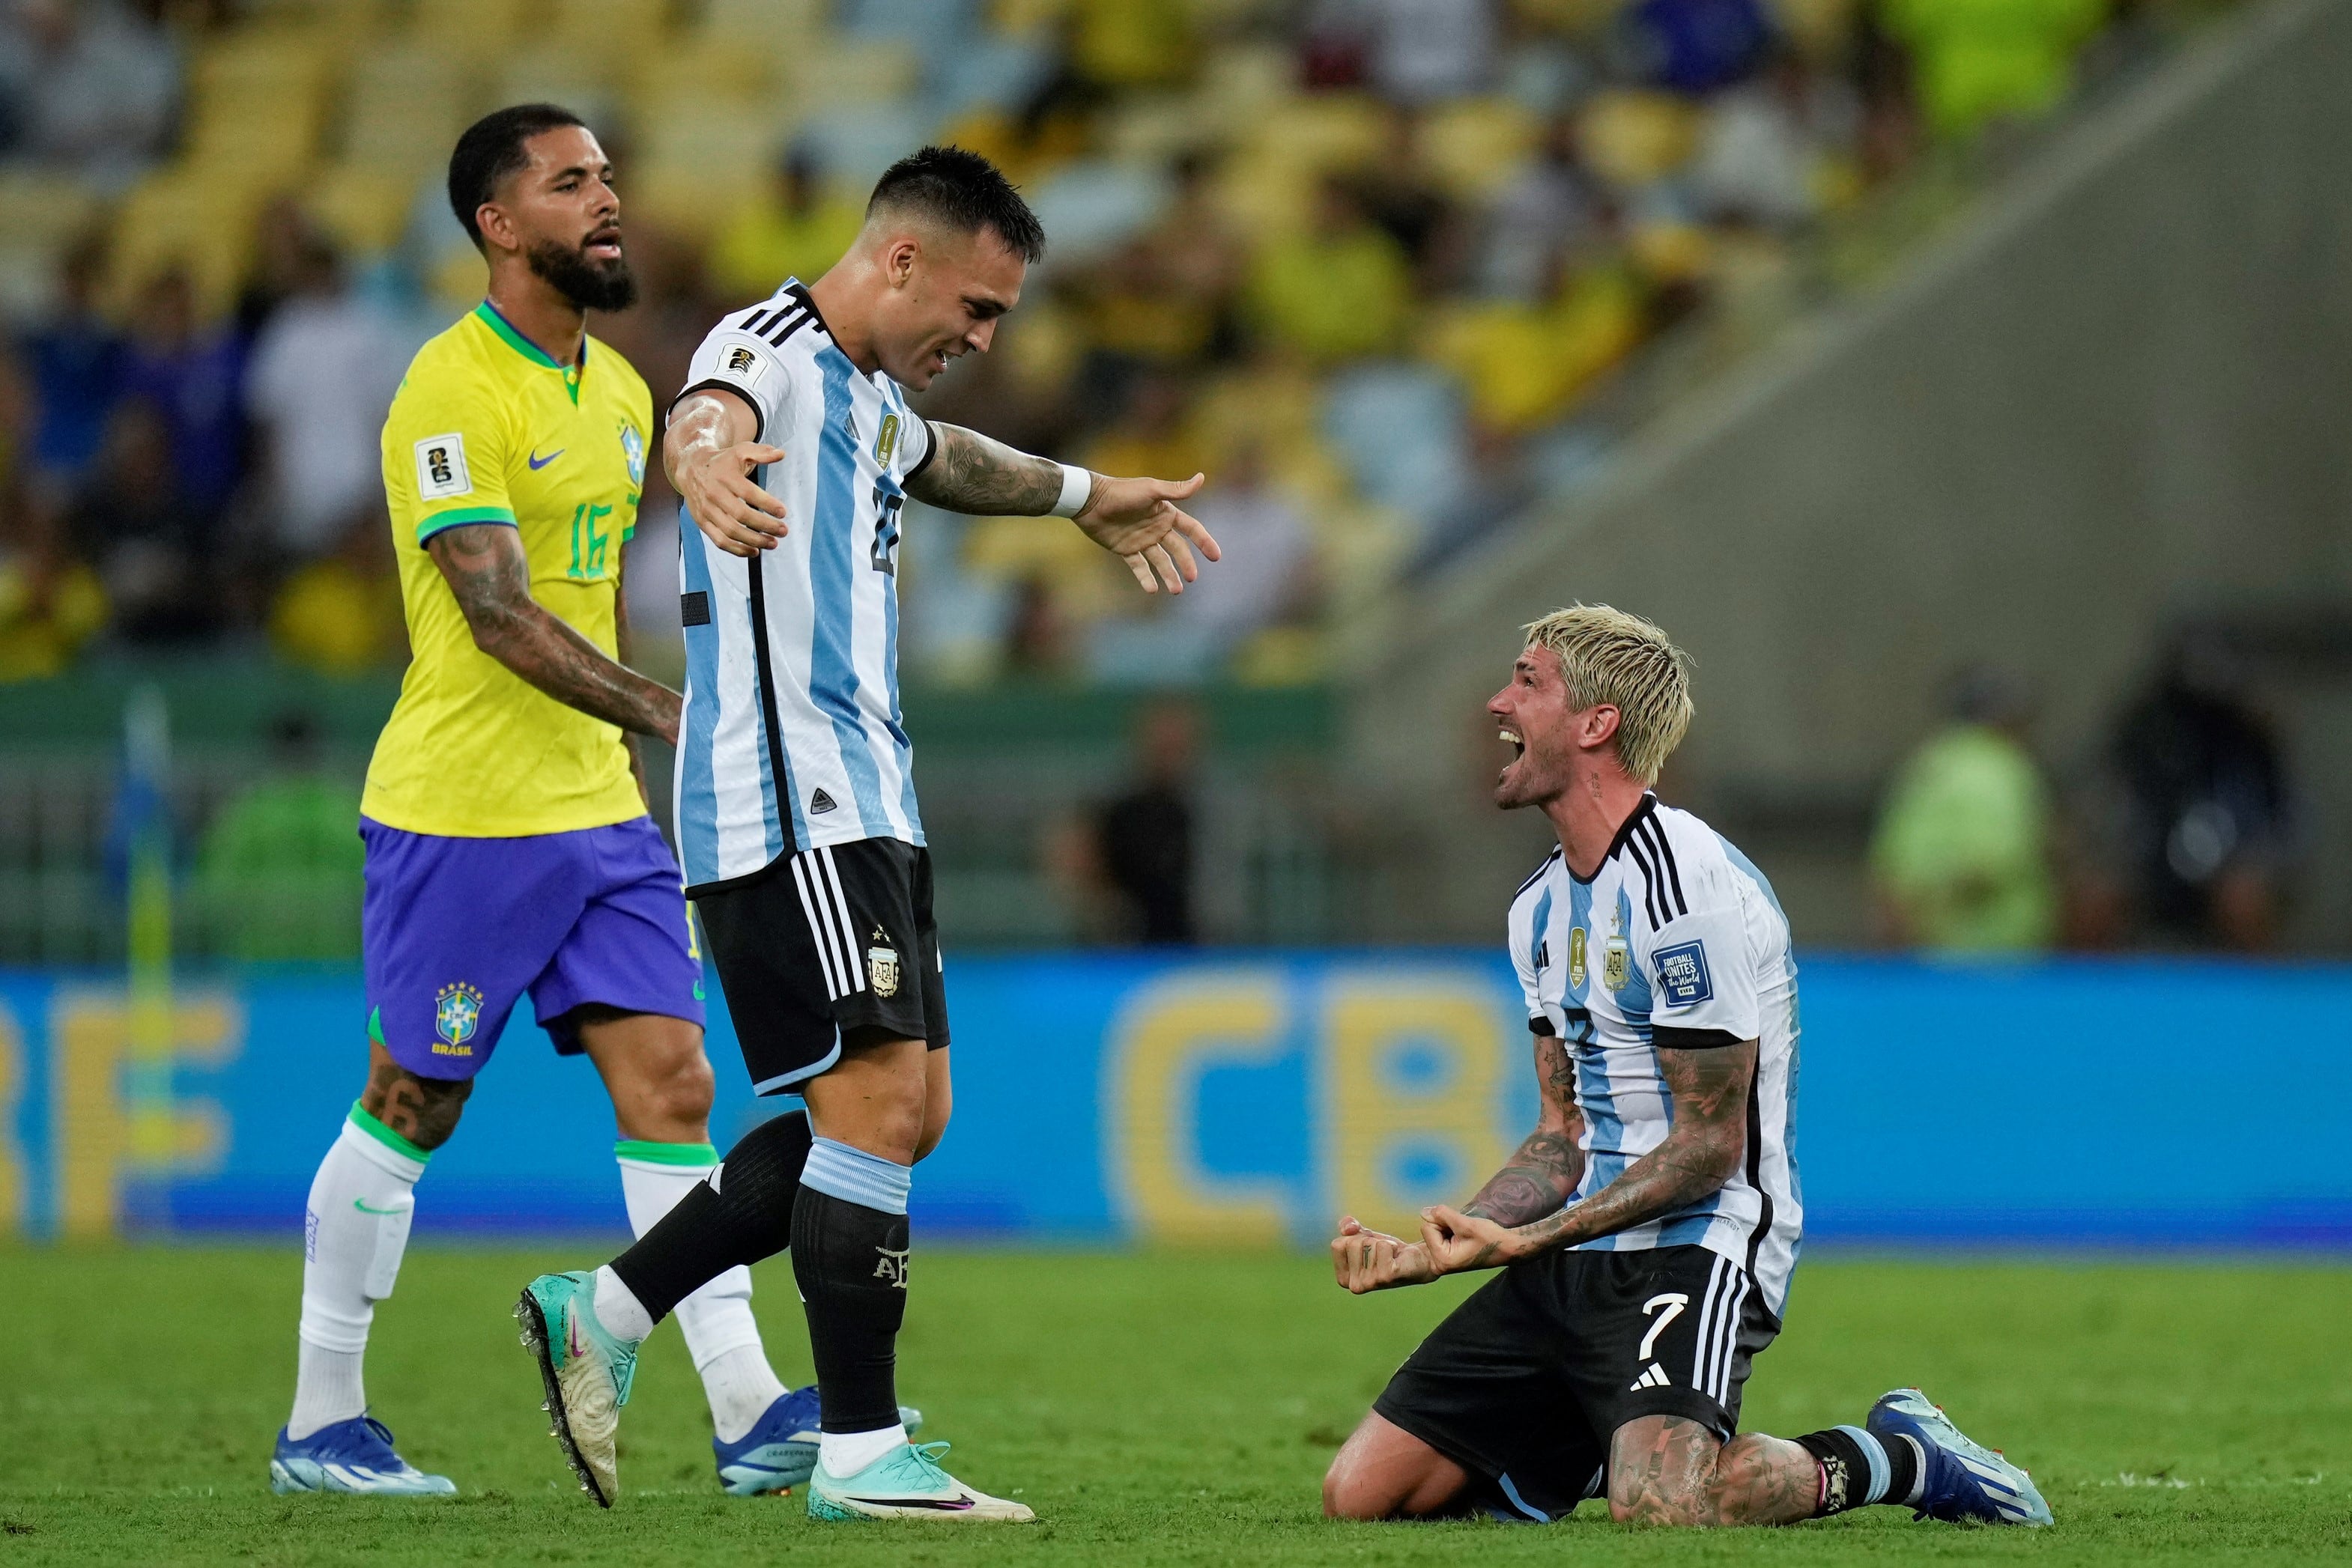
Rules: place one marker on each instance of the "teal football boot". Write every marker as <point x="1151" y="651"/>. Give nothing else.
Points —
<point x="587" y="1373"/>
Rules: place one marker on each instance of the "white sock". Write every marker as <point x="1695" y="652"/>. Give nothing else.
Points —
<point x="844" y="1454"/>
<point x="720" y="1332"/>
<point x="617" y="1307"/>
<point x="353" y="1238"/>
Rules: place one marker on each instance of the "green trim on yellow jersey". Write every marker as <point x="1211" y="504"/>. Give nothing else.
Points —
<point x="463" y="515"/>
<point x="532" y="352"/>
<point x="481" y="432"/>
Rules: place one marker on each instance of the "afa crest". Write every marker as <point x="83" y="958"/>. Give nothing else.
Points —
<point x="457" y="1011"/>
<point x="1576" y="957"/>
<point x="882" y="964"/>
<point x="1616" y="965"/>
<point x="633" y="448"/>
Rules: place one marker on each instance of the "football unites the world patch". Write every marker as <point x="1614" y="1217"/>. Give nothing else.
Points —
<point x="457" y="1013"/>
<point x="1683" y="978"/>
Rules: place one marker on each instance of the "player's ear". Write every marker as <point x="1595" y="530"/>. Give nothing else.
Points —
<point x="1600" y="726"/>
<point x="898" y="261"/>
<point x="496" y="228"/>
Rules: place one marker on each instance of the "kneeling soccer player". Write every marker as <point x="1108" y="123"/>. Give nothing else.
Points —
<point x="1647" y="1228"/>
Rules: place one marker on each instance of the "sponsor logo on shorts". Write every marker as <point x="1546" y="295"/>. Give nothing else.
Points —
<point x="457" y="1013"/>
<point x="1683" y="979"/>
<point x="882" y="964"/>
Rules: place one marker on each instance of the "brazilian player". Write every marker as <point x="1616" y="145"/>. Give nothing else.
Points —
<point x="509" y="848"/>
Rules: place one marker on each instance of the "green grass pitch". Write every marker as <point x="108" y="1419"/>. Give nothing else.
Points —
<point x="1154" y="1409"/>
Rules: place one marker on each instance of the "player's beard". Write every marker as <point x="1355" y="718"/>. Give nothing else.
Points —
<point x="591" y="286"/>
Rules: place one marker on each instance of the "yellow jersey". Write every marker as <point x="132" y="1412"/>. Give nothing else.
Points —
<point x="488" y="429"/>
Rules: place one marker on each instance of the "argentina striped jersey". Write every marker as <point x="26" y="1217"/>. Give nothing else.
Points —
<point x="1676" y="942"/>
<point x="792" y="738"/>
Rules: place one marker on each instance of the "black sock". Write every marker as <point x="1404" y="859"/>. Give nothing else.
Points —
<point x="851" y="1264"/>
<point x="743" y="1214"/>
<point x="1849" y="1479"/>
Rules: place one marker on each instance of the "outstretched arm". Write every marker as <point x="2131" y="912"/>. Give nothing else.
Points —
<point x="1534" y="1182"/>
<point x="1709" y="1086"/>
<point x="709" y="453"/>
<point x="1135" y="519"/>
<point x="485" y="568"/>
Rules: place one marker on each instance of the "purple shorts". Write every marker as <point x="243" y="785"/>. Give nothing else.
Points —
<point x="455" y="931"/>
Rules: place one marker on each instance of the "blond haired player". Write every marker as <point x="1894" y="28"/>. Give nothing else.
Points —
<point x="1646" y="1229"/>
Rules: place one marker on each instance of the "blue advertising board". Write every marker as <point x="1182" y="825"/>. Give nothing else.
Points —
<point x="1246" y="1098"/>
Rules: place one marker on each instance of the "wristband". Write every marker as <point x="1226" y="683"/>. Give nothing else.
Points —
<point x="1078" y="484"/>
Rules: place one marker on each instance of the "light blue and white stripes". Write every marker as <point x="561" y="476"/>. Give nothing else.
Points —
<point x="793" y="737"/>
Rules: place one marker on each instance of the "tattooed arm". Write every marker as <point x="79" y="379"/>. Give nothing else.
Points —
<point x="1533" y="1182"/>
<point x="1539" y="1177"/>
<point x="487" y="569"/>
<point x="1709" y="1134"/>
<point x="970" y="473"/>
<point x="1137" y="520"/>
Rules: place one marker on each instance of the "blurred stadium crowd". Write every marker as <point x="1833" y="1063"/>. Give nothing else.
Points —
<point x="1373" y="264"/>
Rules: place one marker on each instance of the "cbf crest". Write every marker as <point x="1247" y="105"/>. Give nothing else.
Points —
<point x="882" y="964"/>
<point x="633" y="448"/>
<point x="457" y="1013"/>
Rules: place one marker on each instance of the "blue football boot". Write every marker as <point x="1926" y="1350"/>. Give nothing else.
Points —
<point x="780" y="1451"/>
<point x="1962" y="1478"/>
<point x="354" y="1456"/>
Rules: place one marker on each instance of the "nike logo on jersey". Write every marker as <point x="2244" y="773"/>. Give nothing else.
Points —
<point x="538" y="463"/>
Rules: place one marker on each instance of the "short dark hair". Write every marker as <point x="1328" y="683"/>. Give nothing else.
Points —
<point x="965" y="191"/>
<point x="492" y="149"/>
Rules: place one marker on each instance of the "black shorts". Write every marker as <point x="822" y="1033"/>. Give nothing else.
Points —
<point x="823" y="944"/>
<point x="1524" y="1384"/>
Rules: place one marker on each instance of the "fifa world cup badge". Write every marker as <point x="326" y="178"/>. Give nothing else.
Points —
<point x="457" y="1013"/>
<point x="1576" y="957"/>
<point x="882" y="964"/>
<point x="1616" y="965"/>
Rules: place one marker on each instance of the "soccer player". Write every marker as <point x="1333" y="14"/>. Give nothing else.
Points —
<point x="508" y="849"/>
<point x="1647" y="1228"/>
<point x="793" y="449"/>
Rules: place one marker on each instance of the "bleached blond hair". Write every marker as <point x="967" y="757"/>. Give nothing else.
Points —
<point x="1608" y="656"/>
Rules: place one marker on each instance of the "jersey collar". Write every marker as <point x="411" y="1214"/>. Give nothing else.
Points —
<point x="532" y="352"/>
<point x="1649" y="804"/>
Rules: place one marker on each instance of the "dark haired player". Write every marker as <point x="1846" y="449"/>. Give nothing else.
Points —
<point x="794" y="449"/>
<point x="508" y="849"/>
